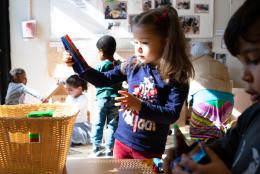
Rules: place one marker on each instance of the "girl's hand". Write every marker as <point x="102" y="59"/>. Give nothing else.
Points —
<point x="67" y="58"/>
<point x="216" y="166"/>
<point x="80" y="67"/>
<point x="128" y="101"/>
<point x="170" y="156"/>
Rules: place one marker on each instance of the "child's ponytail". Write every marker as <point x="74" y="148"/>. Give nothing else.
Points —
<point x="175" y="64"/>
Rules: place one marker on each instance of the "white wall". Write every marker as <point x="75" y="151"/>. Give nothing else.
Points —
<point x="32" y="55"/>
<point x="223" y="11"/>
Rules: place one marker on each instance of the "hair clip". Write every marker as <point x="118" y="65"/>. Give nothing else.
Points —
<point x="162" y="17"/>
<point x="165" y="14"/>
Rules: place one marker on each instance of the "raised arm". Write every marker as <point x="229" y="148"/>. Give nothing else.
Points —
<point x="98" y="79"/>
<point x="102" y="79"/>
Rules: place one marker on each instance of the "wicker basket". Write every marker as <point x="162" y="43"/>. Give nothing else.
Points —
<point x="19" y="155"/>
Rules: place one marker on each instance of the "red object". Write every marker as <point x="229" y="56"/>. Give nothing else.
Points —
<point x="34" y="140"/>
<point x="122" y="151"/>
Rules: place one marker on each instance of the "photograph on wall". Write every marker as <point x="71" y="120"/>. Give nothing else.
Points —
<point x="221" y="57"/>
<point x="130" y="19"/>
<point x="183" y="4"/>
<point x="190" y="24"/>
<point x="146" y="5"/>
<point x="201" y="8"/>
<point x="113" y="25"/>
<point x="115" y="10"/>
<point x="29" y="29"/>
<point x="158" y="3"/>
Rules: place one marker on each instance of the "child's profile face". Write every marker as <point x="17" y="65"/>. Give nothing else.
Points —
<point x="250" y="58"/>
<point x="148" y="45"/>
<point x="74" y="91"/>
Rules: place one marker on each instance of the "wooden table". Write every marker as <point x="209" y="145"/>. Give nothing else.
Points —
<point x="108" y="166"/>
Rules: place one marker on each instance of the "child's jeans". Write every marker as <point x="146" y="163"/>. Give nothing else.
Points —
<point x="122" y="151"/>
<point x="106" y="112"/>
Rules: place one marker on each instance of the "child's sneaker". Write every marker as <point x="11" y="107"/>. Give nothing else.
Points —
<point x="109" y="153"/>
<point x="97" y="152"/>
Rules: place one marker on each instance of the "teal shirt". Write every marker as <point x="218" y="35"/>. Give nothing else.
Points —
<point x="111" y="91"/>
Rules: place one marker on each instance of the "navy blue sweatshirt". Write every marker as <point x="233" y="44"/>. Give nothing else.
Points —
<point x="161" y="104"/>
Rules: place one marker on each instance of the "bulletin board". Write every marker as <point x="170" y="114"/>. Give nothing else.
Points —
<point x="92" y="18"/>
<point x="196" y="17"/>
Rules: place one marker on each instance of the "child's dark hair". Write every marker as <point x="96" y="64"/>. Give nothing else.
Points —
<point x="240" y="23"/>
<point x="75" y="81"/>
<point x="107" y="44"/>
<point x="14" y="73"/>
<point x="175" y="64"/>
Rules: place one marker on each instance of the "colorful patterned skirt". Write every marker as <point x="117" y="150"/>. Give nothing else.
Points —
<point x="211" y="109"/>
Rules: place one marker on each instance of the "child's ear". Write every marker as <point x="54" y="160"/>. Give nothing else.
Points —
<point x="100" y="51"/>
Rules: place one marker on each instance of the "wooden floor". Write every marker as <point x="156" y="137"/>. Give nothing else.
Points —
<point x="84" y="151"/>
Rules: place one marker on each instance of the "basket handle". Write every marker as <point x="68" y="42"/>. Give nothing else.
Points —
<point x="20" y="137"/>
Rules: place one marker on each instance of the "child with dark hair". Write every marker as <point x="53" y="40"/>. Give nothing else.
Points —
<point x="17" y="88"/>
<point x="106" y="111"/>
<point x="239" y="151"/>
<point x="82" y="129"/>
<point x="106" y="46"/>
<point x="157" y="79"/>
